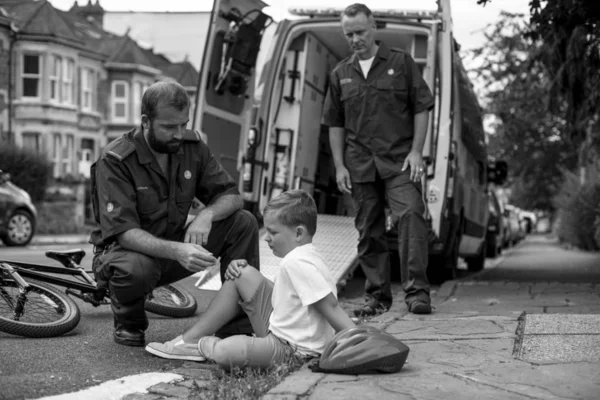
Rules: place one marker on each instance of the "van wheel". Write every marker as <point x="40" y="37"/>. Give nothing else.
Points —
<point x="477" y="263"/>
<point x="492" y="249"/>
<point x="20" y="229"/>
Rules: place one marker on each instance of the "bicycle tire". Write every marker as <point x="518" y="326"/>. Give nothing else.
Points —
<point x="171" y="301"/>
<point x="48" y="312"/>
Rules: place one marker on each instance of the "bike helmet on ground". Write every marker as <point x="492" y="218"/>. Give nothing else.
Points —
<point x="362" y="350"/>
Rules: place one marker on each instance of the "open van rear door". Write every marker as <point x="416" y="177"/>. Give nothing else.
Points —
<point x="226" y="83"/>
<point x="440" y="182"/>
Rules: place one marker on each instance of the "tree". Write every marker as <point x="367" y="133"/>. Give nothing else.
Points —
<point x="529" y="134"/>
<point x="570" y="33"/>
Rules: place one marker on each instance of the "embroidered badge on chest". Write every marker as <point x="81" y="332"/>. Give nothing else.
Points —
<point x="187" y="174"/>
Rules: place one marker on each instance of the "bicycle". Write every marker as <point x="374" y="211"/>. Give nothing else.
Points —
<point x="35" y="309"/>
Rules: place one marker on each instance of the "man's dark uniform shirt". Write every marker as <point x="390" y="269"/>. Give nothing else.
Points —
<point x="130" y="189"/>
<point x="377" y="112"/>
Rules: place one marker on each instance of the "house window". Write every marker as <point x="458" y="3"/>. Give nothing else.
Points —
<point x="56" y="154"/>
<point x="31" y="75"/>
<point x="87" y="89"/>
<point x="31" y="141"/>
<point x="55" y="74"/>
<point x="67" y="82"/>
<point x="68" y="151"/>
<point x="138" y="91"/>
<point x="120" y="99"/>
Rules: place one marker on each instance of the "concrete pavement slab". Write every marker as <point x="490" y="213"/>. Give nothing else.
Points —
<point x="560" y="349"/>
<point x="562" y="324"/>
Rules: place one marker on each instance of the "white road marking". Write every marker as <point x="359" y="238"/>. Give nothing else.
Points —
<point x="119" y="388"/>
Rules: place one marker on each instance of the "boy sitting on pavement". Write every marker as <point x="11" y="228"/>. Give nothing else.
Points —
<point x="296" y="315"/>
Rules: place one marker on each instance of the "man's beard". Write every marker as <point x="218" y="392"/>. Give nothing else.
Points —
<point x="170" y="147"/>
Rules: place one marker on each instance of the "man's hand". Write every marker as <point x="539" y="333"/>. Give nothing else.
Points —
<point x="199" y="229"/>
<point x="194" y="257"/>
<point x="342" y="177"/>
<point x="415" y="161"/>
<point x="234" y="270"/>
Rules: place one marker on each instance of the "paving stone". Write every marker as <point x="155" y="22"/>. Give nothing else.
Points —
<point x="453" y="329"/>
<point x="485" y="307"/>
<point x="167" y="389"/>
<point x="562" y="324"/>
<point x="202" y="384"/>
<point x="560" y="348"/>
<point x="557" y="288"/>
<point x="400" y="387"/>
<point x="572" y="381"/>
<point x="449" y="356"/>
<point x="195" y="373"/>
<point x="565" y="299"/>
<point x="299" y="383"/>
<point x="142" y="396"/>
<point x="338" y="378"/>
<point x="188" y="383"/>
<point x="279" y="397"/>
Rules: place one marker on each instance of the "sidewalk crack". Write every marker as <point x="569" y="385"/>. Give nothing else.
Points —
<point x="477" y="381"/>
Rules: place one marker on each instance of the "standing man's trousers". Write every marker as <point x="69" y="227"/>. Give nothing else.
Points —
<point x="404" y="198"/>
<point x="130" y="275"/>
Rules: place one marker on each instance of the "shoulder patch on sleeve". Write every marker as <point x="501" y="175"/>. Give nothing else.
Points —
<point x="191" y="135"/>
<point x="119" y="149"/>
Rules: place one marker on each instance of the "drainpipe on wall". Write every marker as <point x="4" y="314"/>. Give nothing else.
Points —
<point x="14" y="37"/>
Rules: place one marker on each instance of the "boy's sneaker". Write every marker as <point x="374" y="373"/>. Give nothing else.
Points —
<point x="175" y="349"/>
<point x="206" y="346"/>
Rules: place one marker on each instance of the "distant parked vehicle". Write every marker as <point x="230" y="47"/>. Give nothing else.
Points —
<point x="495" y="228"/>
<point x="17" y="213"/>
<point x="515" y="233"/>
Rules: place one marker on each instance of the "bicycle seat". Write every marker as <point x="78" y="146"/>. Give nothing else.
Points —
<point x="64" y="256"/>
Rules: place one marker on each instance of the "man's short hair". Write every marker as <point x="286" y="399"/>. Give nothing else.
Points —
<point x="293" y="208"/>
<point x="164" y="93"/>
<point x="354" y="9"/>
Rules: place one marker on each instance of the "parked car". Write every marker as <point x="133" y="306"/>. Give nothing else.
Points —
<point x="495" y="229"/>
<point x="17" y="213"/>
<point x="515" y="232"/>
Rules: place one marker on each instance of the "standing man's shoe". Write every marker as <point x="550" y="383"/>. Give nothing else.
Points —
<point x="372" y="307"/>
<point x="419" y="307"/>
<point x="129" y="337"/>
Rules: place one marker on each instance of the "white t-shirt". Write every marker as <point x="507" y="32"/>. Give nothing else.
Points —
<point x="302" y="280"/>
<point x="365" y="65"/>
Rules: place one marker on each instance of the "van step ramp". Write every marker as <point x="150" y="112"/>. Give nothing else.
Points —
<point x="336" y="240"/>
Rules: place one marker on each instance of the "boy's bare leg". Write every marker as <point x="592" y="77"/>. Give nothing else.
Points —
<point x="224" y="306"/>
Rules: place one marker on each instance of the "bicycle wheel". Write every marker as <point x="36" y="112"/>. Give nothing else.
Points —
<point x="171" y="301"/>
<point x="47" y="312"/>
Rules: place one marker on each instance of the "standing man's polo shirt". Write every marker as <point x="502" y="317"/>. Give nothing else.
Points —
<point x="377" y="112"/>
<point x="130" y="190"/>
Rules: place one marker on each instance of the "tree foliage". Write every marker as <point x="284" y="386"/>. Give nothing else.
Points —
<point x="529" y="134"/>
<point x="570" y="33"/>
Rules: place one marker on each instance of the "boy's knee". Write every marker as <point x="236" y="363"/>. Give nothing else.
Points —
<point x="248" y="274"/>
<point x="227" y="354"/>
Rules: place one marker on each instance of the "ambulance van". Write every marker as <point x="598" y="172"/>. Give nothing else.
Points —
<point x="266" y="130"/>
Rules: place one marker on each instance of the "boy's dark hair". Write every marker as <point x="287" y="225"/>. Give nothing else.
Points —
<point x="164" y="93"/>
<point x="354" y="9"/>
<point x="295" y="207"/>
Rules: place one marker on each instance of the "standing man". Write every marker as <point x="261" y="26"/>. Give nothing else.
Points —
<point x="377" y="110"/>
<point x="142" y="189"/>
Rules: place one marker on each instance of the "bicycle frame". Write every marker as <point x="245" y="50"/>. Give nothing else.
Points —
<point x="42" y="273"/>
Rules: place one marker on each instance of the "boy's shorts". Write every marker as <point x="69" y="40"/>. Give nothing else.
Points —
<point x="259" y="308"/>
